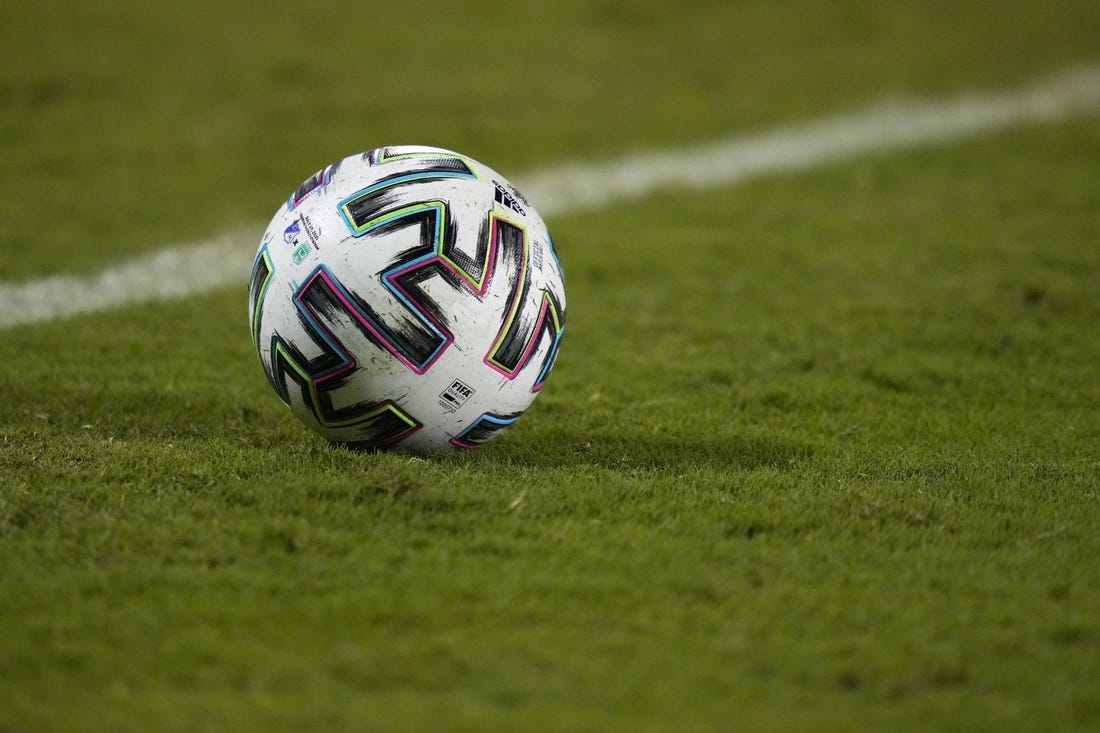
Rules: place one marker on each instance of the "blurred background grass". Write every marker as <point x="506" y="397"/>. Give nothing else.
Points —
<point x="129" y="125"/>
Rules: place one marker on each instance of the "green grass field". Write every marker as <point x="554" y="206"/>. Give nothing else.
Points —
<point x="821" y="450"/>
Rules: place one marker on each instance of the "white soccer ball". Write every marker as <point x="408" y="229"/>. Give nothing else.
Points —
<point x="408" y="297"/>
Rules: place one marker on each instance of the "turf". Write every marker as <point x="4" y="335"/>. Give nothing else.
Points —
<point x="820" y="451"/>
<point x="132" y="125"/>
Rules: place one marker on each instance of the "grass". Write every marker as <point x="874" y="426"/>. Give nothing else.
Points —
<point x="185" y="124"/>
<point x="820" y="451"/>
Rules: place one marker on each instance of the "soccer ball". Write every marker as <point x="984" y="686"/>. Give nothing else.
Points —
<point x="408" y="297"/>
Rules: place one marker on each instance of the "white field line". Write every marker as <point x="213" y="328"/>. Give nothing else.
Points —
<point x="188" y="269"/>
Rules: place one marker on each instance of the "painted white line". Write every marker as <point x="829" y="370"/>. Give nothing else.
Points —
<point x="884" y="128"/>
<point x="189" y="269"/>
<point x="167" y="274"/>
